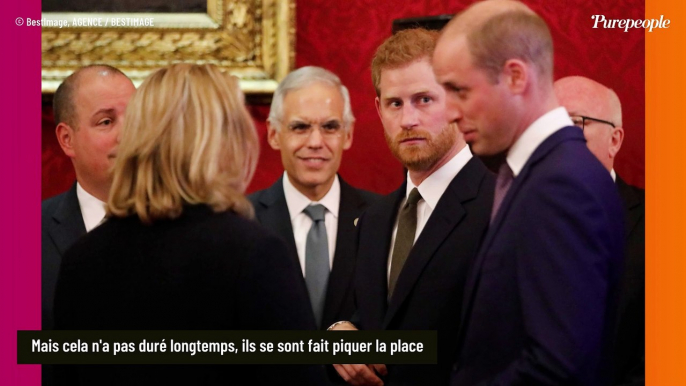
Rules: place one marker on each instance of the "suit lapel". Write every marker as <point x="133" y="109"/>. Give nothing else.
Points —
<point x="564" y="134"/>
<point x="273" y="213"/>
<point x="351" y="205"/>
<point x="631" y="205"/>
<point x="67" y="225"/>
<point x="375" y="245"/>
<point x="448" y="213"/>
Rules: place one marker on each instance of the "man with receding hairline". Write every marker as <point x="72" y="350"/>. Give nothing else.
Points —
<point x="597" y="111"/>
<point x="89" y="110"/>
<point x="541" y="297"/>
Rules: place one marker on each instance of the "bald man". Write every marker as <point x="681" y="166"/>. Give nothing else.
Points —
<point x="89" y="110"/>
<point x="597" y="110"/>
<point x="540" y="300"/>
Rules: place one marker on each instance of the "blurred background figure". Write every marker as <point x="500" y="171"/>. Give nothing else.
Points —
<point x="597" y="111"/>
<point x="179" y="250"/>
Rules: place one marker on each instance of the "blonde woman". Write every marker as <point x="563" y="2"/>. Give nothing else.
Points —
<point x="179" y="250"/>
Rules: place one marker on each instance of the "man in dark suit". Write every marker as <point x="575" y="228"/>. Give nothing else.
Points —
<point x="598" y="112"/>
<point x="311" y="123"/>
<point x="416" y="244"/>
<point x="89" y="110"/>
<point x="541" y="298"/>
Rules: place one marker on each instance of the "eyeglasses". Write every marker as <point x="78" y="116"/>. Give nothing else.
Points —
<point x="580" y="121"/>
<point x="302" y="130"/>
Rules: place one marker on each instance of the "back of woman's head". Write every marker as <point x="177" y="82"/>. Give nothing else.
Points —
<point x="187" y="139"/>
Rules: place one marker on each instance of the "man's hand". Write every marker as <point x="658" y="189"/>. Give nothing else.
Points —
<point x="358" y="374"/>
<point x="361" y="375"/>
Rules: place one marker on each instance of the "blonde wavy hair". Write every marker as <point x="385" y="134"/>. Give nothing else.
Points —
<point x="187" y="139"/>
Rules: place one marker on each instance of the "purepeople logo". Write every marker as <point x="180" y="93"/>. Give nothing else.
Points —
<point x="627" y="24"/>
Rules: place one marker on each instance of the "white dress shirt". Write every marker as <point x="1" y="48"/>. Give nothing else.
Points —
<point x="431" y="190"/>
<point x="534" y="135"/>
<point x="92" y="209"/>
<point x="297" y="202"/>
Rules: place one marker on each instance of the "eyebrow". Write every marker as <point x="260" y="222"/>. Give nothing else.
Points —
<point x="104" y="111"/>
<point x="295" y="121"/>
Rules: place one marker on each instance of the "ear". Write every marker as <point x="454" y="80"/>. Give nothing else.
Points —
<point x="377" y="103"/>
<point x="65" y="136"/>
<point x="273" y="137"/>
<point x="516" y="74"/>
<point x="616" y="141"/>
<point x="348" y="137"/>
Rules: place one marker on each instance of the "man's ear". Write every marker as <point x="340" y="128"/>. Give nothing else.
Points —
<point x="348" y="136"/>
<point x="616" y="141"/>
<point x="65" y="136"/>
<point x="273" y="137"/>
<point x="516" y="74"/>
<point x="377" y="103"/>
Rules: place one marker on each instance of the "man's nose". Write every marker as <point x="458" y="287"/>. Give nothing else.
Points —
<point x="409" y="117"/>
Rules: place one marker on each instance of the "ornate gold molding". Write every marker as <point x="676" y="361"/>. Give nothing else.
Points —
<point x="252" y="39"/>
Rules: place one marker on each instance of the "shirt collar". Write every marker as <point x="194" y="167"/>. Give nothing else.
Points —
<point x="534" y="135"/>
<point x="297" y="202"/>
<point x="614" y="175"/>
<point x="92" y="209"/>
<point x="433" y="187"/>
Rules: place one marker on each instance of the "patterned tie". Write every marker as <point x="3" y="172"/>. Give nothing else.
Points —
<point x="317" y="260"/>
<point x="502" y="185"/>
<point x="404" y="238"/>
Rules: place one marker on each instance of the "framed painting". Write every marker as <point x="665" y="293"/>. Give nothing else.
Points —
<point x="252" y="39"/>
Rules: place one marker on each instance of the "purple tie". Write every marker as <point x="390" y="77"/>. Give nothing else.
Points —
<point x="502" y="185"/>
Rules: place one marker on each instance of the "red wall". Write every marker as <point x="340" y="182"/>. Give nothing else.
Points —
<point x="343" y="35"/>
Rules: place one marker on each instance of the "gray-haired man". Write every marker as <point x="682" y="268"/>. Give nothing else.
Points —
<point x="311" y="207"/>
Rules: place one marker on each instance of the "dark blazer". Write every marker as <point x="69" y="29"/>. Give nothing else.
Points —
<point x="630" y="341"/>
<point x="201" y="271"/>
<point x="540" y="303"/>
<point x="61" y="225"/>
<point x="271" y="211"/>
<point x="429" y="289"/>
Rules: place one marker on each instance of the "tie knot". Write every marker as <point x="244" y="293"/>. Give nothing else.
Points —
<point x="316" y="212"/>
<point x="414" y="197"/>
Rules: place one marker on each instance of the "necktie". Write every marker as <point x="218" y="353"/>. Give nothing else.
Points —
<point x="317" y="260"/>
<point x="404" y="238"/>
<point x="502" y="185"/>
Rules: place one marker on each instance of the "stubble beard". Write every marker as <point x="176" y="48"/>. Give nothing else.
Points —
<point x="422" y="157"/>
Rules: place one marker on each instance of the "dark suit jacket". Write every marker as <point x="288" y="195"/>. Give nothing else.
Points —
<point x="61" y="225"/>
<point x="540" y="302"/>
<point x="429" y="289"/>
<point x="271" y="211"/>
<point x="630" y="341"/>
<point x="201" y="271"/>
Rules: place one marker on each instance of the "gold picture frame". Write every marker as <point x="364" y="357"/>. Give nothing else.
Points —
<point x="252" y="39"/>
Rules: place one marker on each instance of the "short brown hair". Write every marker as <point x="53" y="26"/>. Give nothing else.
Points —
<point x="187" y="139"/>
<point x="402" y="48"/>
<point x="512" y="35"/>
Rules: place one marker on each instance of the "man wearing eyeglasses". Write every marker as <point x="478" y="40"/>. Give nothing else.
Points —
<point x="597" y="110"/>
<point x="311" y="207"/>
